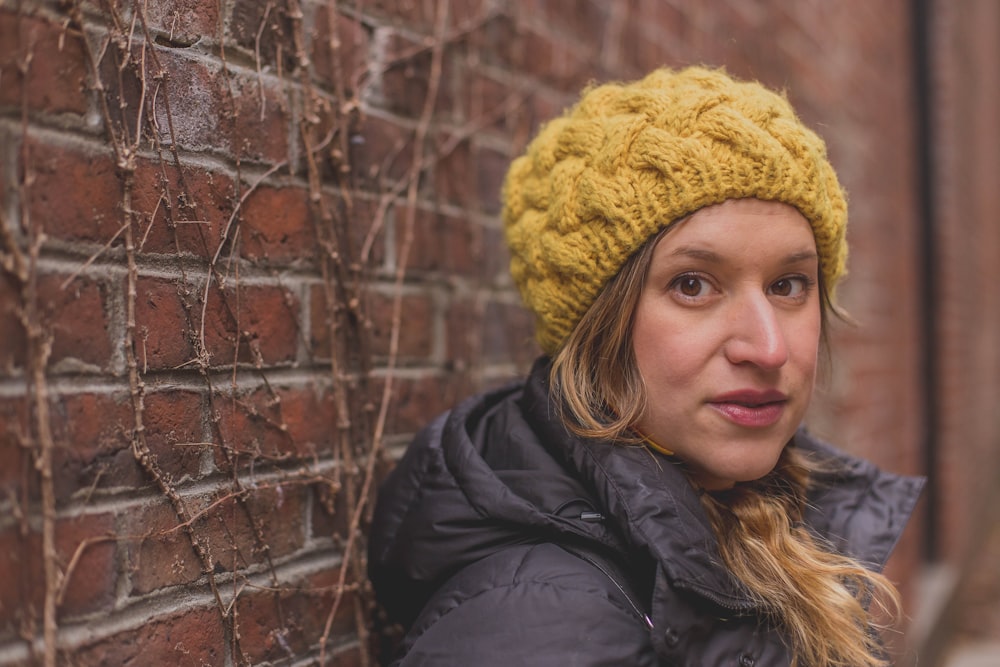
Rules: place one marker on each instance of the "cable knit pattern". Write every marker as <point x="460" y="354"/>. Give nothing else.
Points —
<point x="630" y="159"/>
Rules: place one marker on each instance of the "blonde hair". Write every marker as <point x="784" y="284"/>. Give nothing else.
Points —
<point x="817" y="596"/>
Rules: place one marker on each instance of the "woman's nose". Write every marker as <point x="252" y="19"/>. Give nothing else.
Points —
<point x="756" y="335"/>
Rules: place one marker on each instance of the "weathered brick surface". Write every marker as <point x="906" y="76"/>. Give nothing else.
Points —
<point x="183" y="22"/>
<point x="91" y="444"/>
<point x="158" y="550"/>
<point x="182" y="211"/>
<point x="192" y="638"/>
<point x="444" y="243"/>
<point x="282" y="626"/>
<point x="74" y="194"/>
<point x="278" y="226"/>
<point x="339" y="44"/>
<point x="15" y="348"/>
<point x="42" y="64"/>
<point x="174" y="424"/>
<point x="76" y="311"/>
<point x="195" y="130"/>
<point x="86" y="542"/>
<point x="276" y="423"/>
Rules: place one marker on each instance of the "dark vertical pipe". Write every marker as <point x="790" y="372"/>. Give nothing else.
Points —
<point x="927" y="269"/>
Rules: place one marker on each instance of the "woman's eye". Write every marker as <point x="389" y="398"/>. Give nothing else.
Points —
<point x="790" y="287"/>
<point x="690" y="286"/>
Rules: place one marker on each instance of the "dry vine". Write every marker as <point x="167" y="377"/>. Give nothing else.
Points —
<point x="22" y="270"/>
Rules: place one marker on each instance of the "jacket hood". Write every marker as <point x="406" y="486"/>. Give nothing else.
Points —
<point x="473" y="481"/>
<point x="500" y="469"/>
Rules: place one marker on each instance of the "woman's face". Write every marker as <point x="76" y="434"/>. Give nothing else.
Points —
<point x="726" y="336"/>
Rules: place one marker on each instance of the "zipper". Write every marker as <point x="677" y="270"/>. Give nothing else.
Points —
<point x="635" y="607"/>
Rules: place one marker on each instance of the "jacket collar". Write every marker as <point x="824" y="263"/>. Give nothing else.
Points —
<point x="861" y="509"/>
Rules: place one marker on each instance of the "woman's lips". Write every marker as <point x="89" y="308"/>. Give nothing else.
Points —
<point x="750" y="408"/>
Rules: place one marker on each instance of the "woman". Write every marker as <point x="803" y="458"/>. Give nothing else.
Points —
<point x="647" y="496"/>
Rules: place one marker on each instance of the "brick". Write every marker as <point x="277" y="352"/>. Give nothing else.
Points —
<point x="57" y="74"/>
<point x="182" y="22"/>
<point x="484" y="97"/>
<point x="405" y="82"/>
<point x="122" y="89"/>
<point x="21" y="583"/>
<point x="529" y="47"/>
<point x="7" y="183"/>
<point x="74" y="195"/>
<point x="354" y="222"/>
<point x="537" y="52"/>
<point x="17" y="474"/>
<point x="454" y="177"/>
<point x="571" y="68"/>
<point x="231" y="527"/>
<point x="262" y="319"/>
<point x="443" y="243"/>
<point x="416" y="321"/>
<point x="76" y="316"/>
<point x="191" y="638"/>
<point x="271" y="425"/>
<point x="490" y="172"/>
<point x="325" y="133"/>
<point x="266" y="32"/>
<point x="261" y="125"/>
<point x="14" y="350"/>
<point x="345" y="330"/>
<point x="93" y="446"/>
<point x="310" y="413"/>
<point x="278" y="225"/>
<point x="275" y="627"/>
<point x="501" y="44"/>
<point x="158" y="551"/>
<point x="508" y="334"/>
<point x="416" y="325"/>
<point x="463" y="332"/>
<point x="77" y="319"/>
<point x="182" y="211"/>
<point x="165" y="314"/>
<point x="421" y="14"/>
<point x="200" y="115"/>
<point x="583" y="25"/>
<point x="174" y="432"/>
<point x="348" y="55"/>
<point x="329" y="517"/>
<point x="380" y="153"/>
<point x="415" y="13"/>
<point x="279" y="512"/>
<point x="204" y="108"/>
<point x="494" y="258"/>
<point x="258" y="324"/>
<point x="90" y="586"/>
<point x="415" y="401"/>
<point x="540" y="106"/>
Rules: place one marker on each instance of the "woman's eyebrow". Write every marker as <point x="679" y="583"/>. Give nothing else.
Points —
<point x="697" y="253"/>
<point x="802" y="256"/>
<point x="711" y="256"/>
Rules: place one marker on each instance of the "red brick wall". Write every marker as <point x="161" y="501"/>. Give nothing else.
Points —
<point x="244" y="257"/>
<point x="967" y="92"/>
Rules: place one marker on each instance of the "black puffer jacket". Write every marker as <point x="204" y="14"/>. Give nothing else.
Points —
<point x="501" y="540"/>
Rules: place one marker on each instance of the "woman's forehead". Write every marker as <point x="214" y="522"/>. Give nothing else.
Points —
<point x="737" y="227"/>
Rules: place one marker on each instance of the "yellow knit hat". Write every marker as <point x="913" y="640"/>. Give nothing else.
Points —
<point x="629" y="159"/>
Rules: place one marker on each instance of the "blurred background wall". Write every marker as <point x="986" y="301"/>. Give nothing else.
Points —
<point x="249" y="247"/>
